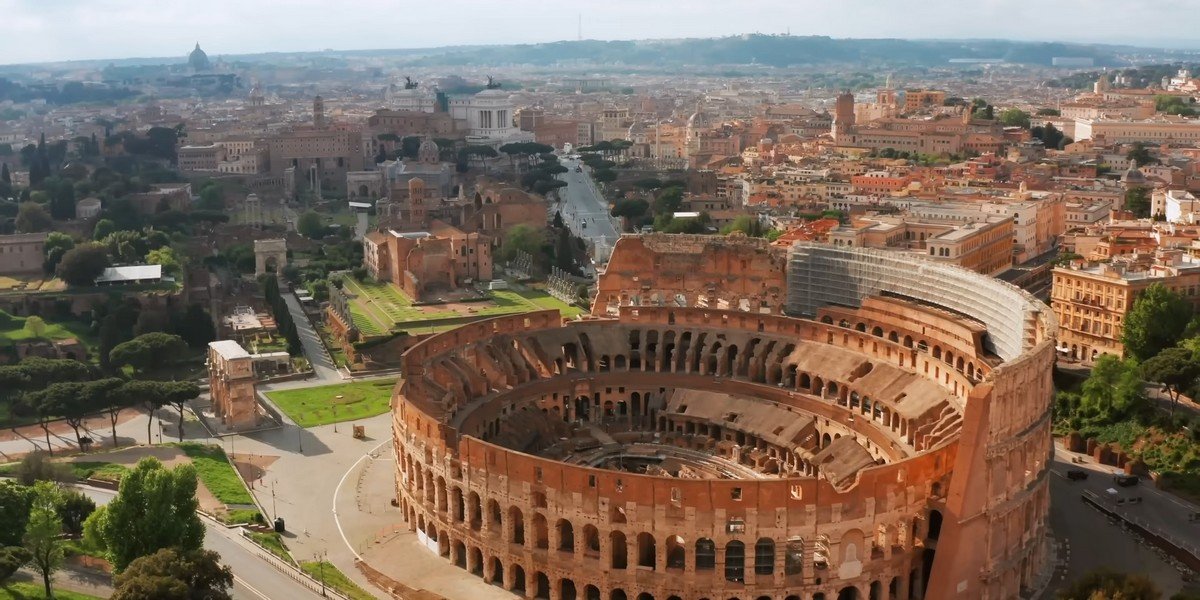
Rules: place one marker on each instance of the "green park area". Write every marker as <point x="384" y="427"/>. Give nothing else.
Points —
<point x="380" y="308"/>
<point x="21" y="590"/>
<point x="310" y="407"/>
<point x="15" y="329"/>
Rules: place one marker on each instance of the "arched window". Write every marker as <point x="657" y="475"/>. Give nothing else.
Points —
<point x="735" y="561"/>
<point x="764" y="557"/>
<point x="706" y="555"/>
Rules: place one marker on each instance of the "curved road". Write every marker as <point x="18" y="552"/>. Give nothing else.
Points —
<point x="253" y="577"/>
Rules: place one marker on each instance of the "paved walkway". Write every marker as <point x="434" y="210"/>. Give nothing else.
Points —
<point x="314" y="349"/>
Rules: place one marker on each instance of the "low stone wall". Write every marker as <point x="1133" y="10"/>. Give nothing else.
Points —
<point x="395" y="588"/>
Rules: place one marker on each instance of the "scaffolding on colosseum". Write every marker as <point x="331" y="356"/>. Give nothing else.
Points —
<point x="560" y="285"/>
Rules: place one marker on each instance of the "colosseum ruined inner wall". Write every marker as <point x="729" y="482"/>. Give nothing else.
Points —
<point x="887" y="438"/>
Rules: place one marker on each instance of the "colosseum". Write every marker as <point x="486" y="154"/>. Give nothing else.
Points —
<point x="740" y="422"/>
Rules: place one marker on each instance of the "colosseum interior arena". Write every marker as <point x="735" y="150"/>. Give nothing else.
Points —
<point x="736" y="421"/>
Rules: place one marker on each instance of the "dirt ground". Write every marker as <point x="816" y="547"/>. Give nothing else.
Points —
<point x="168" y="455"/>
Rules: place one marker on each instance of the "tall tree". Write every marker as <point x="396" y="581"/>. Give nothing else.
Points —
<point x="155" y="508"/>
<point x="56" y="246"/>
<point x="178" y="394"/>
<point x="32" y="218"/>
<point x="74" y="507"/>
<point x="1175" y="369"/>
<point x="1156" y="321"/>
<point x="1112" y="392"/>
<point x="12" y="558"/>
<point x="148" y="353"/>
<point x="1140" y="155"/>
<point x="43" y="531"/>
<point x="81" y="265"/>
<point x="15" y="501"/>
<point x="173" y="575"/>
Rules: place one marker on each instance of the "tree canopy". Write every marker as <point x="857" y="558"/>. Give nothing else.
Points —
<point x="148" y="353"/>
<point x="1156" y="321"/>
<point x="81" y="265"/>
<point x="173" y="575"/>
<point x="1107" y="584"/>
<point x="32" y="218"/>
<point x="310" y="225"/>
<point x="155" y="508"/>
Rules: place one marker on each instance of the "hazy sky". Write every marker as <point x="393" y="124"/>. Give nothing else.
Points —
<point x="45" y="30"/>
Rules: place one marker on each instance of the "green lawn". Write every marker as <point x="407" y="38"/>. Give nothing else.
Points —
<point x="30" y="591"/>
<point x="309" y="407"/>
<point x="217" y="474"/>
<point x="273" y="543"/>
<point x="99" y="470"/>
<point x="14" y="331"/>
<point x="335" y="579"/>
<point x="544" y="301"/>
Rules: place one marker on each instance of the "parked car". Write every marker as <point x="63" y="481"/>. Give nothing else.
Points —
<point x="1076" y="474"/>
<point x="1126" y="480"/>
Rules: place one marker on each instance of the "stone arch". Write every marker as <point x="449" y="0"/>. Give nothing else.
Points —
<point x="518" y="578"/>
<point x="474" y="511"/>
<point x="848" y="593"/>
<point x="497" y="571"/>
<point x="269" y="253"/>
<point x="591" y="538"/>
<point x="706" y="555"/>
<point x="617" y="594"/>
<point x="735" y="561"/>
<point x="516" y="521"/>
<point x="541" y="532"/>
<point x="476" y="561"/>
<point x="676" y="552"/>
<point x="875" y="592"/>
<point x="541" y="588"/>
<point x="764" y="556"/>
<point x="646" y="550"/>
<point x="566" y="535"/>
<point x="566" y="589"/>
<point x="619" y="549"/>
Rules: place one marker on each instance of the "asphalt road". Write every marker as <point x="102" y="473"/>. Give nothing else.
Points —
<point x="581" y="203"/>
<point x="1087" y="539"/>
<point x="253" y="577"/>
<point x="323" y="367"/>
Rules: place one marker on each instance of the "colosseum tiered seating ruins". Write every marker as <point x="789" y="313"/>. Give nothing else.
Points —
<point x="740" y="422"/>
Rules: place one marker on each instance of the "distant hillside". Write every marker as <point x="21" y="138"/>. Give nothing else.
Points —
<point x="769" y="50"/>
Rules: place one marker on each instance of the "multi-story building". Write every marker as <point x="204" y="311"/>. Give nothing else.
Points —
<point x="984" y="245"/>
<point x="22" y="253"/>
<point x="1091" y="300"/>
<point x="202" y="157"/>
<point x="425" y="262"/>
<point x="1162" y="129"/>
<point x="320" y="158"/>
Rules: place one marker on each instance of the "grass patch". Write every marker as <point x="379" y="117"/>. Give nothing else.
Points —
<point x="30" y="591"/>
<point x="98" y="470"/>
<point x="273" y="543"/>
<point x="324" y="571"/>
<point x="309" y="407"/>
<point x="14" y="331"/>
<point x="217" y="474"/>
<point x="239" y="515"/>
<point x="544" y="301"/>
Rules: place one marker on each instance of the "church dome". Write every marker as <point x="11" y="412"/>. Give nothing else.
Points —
<point x="429" y="152"/>
<point x="198" y="59"/>
<point x="1133" y="175"/>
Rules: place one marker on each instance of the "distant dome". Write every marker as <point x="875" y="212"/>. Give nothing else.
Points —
<point x="198" y="60"/>
<point x="1133" y="175"/>
<point x="429" y="152"/>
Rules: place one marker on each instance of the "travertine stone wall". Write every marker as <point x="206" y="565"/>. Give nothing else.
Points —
<point x="955" y="418"/>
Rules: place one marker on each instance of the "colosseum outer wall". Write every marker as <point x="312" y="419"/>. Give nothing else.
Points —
<point x="544" y="528"/>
